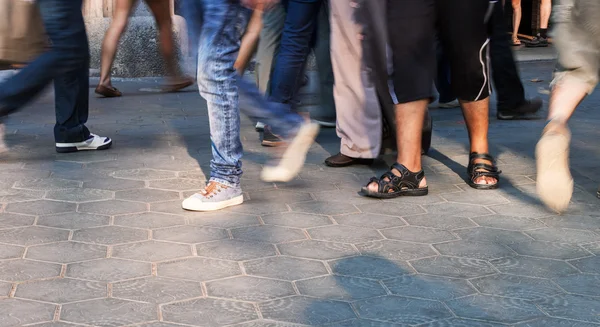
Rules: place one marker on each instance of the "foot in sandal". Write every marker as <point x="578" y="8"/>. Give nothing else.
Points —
<point x="108" y="91"/>
<point x="554" y="181"/>
<point x="398" y="181"/>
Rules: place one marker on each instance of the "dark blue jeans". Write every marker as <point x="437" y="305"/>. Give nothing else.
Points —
<point x="306" y="27"/>
<point x="66" y="63"/>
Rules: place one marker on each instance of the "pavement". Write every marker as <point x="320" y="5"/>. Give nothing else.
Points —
<point x="100" y="239"/>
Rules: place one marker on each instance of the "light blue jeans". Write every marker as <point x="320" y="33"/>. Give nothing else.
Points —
<point x="216" y="27"/>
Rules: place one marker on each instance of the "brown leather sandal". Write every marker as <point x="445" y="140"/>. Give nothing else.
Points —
<point x="168" y="88"/>
<point x="108" y="91"/>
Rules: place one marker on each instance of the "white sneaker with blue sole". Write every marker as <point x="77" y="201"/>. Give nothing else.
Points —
<point x="94" y="142"/>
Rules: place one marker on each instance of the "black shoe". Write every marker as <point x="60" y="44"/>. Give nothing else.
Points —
<point x="341" y="160"/>
<point x="537" y="42"/>
<point x="525" y="111"/>
<point x="270" y="139"/>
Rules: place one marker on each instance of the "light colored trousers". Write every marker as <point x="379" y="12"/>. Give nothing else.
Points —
<point x="359" y="119"/>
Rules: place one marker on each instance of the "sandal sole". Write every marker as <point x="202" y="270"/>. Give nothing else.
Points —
<point x="554" y="181"/>
<point x="377" y="195"/>
<point x="483" y="187"/>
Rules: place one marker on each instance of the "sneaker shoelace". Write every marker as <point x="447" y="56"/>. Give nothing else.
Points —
<point x="212" y="189"/>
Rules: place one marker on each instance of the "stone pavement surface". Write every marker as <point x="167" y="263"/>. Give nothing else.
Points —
<point x="100" y="239"/>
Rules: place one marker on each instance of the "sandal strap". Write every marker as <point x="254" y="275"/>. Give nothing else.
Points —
<point x="485" y="156"/>
<point x="391" y="182"/>
<point x="477" y="170"/>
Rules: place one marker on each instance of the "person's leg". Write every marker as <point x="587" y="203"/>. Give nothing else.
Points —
<point x="326" y="113"/>
<point x="161" y="10"/>
<point x="516" y="20"/>
<point x="541" y="40"/>
<point x="414" y="70"/>
<point x="359" y="123"/>
<point x="465" y="34"/>
<point x="511" y="101"/>
<point x="576" y="35"/>
<point x="121" y="11"/>
<point x="249" y="42"/>
<point x="268" y="45"/>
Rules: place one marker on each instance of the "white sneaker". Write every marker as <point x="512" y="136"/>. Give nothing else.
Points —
<point x="214" y="197"/>
<point x="293" y="157"/>
<point x="94" y="142"/>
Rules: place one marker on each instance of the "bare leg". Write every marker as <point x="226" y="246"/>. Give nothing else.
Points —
<point x="249" y="42"/>
<point x="409" y="119"/>
<point x="516" y="4"/>
<point x="476" y="115"/>
<point x="113" y="35"/>
<point x="563" y="101"/>
<point x="545" y="10"/>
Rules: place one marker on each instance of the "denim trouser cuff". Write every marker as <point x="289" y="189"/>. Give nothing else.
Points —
<point x="224" y="182"/>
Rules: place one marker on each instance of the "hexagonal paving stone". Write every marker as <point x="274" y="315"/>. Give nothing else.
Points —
<point x="16" y="195"/>
<point x="114" y="184"/>
<point x="573" y="221"/>
<point x="211" y="312"/>
<point x="20" y="270"/>
<point x="429" y="287"/>
<point x="324" y="208"/>
<point x="47" y="184"/>
<point x="594" y="248"/>
<point x="453" y="267"/>
<point x="74" y="220"/>
<point x="396" y="250"/>
<point x="439" y="221"/>
<point x="144" y="174"/>
<point x="269" y="323"/>
<point x="280" y="195"/>
<point x="392" y="209"/>
<point x="508" y="222"/>
<point x="533" y="267"/>
<point x="563" y="235"/>
<point x="147" y="195"/>
<point x="235" y="250"/>
<point x="309" y="311"/>
<point x="555" y="322"/>
<point x="108" y="270"/>
<point x="549" y="250"/>
<point x="573" y="307"/>
<point x="370" y="267"/>
<point x="589" y="265"/>
<point x="113" y="207"/>
<point x="62" y="290"/>
<point x="149" y="220"/>
<point x="198" y="269"/>
<point x="190" y="234"/>
<point x="456" y="210"/>
<point x="41" y="207"/>
<point x="402" y="310"/>
<point x="156" y="290"/>
<point x="296" y="219"/>
<point x="151" y="251"/>
<point x="179" y="184"/>
<point x="526" y="288"/>
<point x="492" y="308"/>
<point x="66" y="252"/>
<point x="110" y="235"/>
<point x="580" y="284"/>
<point x="108" y="312"/>
<point x="458" y="322"/>
<point x="270" y="234"/>
<point x="475" y="250"/>
<point x="224" y="219"/>
<point x="260" y="208"/>
<point x="471" y="196"/>
<point x="344" y="234"/>
<point x="14" y="220"/>
<point x="11" y="252"/>
<point x="251" y="289"/>
<point x="79" y="195"/>
<point x="493" y="235"/>
<point x="525" y="209"/>
<point x="340" y="288"/>
<point x="418" y="234"/>
<point x="24" y="312"/>
<point x="369" y="219"/>
<point x="5" y="289"/>
<point x="32" y="235"/>
<point x="285" y="268"/>
<point x="317" y="250"/>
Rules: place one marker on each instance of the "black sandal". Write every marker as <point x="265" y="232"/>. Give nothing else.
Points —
<point x="477" y="170"/>
<point x="392" y="186"/>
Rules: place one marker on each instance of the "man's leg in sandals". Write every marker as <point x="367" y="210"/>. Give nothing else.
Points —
<point x="576" y="35"/>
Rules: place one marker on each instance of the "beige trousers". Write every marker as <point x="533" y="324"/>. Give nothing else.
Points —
<point x="359" y="121"/>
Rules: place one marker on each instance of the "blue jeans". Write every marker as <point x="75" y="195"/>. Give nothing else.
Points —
<point x="216" y="26"/>
<point x="306" y="27"/>
<point x="66" y="63"/>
